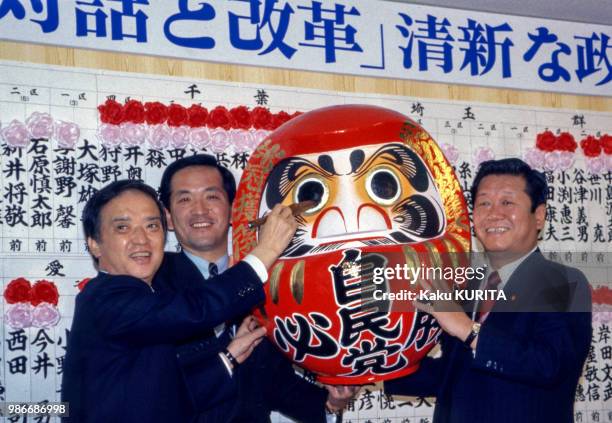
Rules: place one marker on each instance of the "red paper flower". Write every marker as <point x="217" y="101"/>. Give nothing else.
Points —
<point x="262" y="118"/>
<point x="279" y="118"/>
<point x="606" y="143"/>
<point x="591" y="146"/>
<point x="602" y="295"/>
<point x="81" y="284"/>
<point x="546" y="141"/>
<point x="111" y="112"/>
<point x="18" y="291"/>
<point x="241" y="117"/>
<point x="197" y="116"/>
<point x="134" y="112"/>
<point x="566" y="142"/>
<point x="219" y="117"/>
<point x="44" y="291"/>
<point x="155" y="113"/>
<point x="177" y="115"/>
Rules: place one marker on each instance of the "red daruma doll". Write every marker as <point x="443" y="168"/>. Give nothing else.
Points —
<point x="383" y="196"/>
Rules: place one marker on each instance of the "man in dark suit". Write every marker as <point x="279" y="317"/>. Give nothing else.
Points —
<point x="518" y="359"/>
<point x="121" y="363"/>
<point x="197" y="194"/>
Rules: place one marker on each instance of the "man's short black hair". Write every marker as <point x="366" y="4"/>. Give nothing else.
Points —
<point x="535" y="181"/>
<point x="229" y="184"/>
<point x="93" y="207"/>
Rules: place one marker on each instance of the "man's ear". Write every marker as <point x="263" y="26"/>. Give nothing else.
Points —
<point x="94" y="247"/>
<point x="540" y="215"/>
<point x="169" y="219"/>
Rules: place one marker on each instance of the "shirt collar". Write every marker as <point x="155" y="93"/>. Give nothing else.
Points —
<point x="202" y="264"/>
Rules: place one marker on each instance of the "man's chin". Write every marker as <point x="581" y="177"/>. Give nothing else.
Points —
<point x="201" y="246"/>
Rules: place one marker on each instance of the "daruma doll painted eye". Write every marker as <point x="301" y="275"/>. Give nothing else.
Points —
<point x="384" y="198"/>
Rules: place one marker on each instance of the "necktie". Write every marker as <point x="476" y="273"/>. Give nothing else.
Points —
<point x="485" y="306"/>
<point x="213" y="270"/>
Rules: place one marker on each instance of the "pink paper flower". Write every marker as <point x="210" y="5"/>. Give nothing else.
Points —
<point x="133" y="134"/>
<point x="609" y="162"/>
<point x="219" y="140"/>
<point x="158" y="136"/>
<point x="40" y="125"/>
<point x="15" y="134"/>
<point x="566" y="160"/>
<point x="482" y="154"/>
<point x="19" y="316"/>
<point x="200" y="137"/>
<point x="109" y="135"/>
<point x="67" y="134"/>
<point x="551" y="161"/>
<point x="241" y="140"/>
<point x="450" y="152"/>
<point x="259" y="135"/>
<point x="534" y="157"/>
<point x="602" y="313"/>
<point x="179" y="137"/>
<point x="595" y="165"/>
<point x="45" y="316"/>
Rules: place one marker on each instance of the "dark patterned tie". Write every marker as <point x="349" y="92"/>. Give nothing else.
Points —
<point x="213" y="270"/>
<point x="485" y="306"/>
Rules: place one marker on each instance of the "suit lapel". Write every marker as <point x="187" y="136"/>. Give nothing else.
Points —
<point x="518" y="289"/>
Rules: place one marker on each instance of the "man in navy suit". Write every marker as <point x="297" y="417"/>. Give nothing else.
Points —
<point x="197" y="194"/>
<point x="517" y="360"/>
<point x="121" y="363"/>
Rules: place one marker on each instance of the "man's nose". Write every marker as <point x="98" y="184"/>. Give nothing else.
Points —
<point x="201" y="206"/>
<point x="139" y="235"/>
<point x="495" y="211"/>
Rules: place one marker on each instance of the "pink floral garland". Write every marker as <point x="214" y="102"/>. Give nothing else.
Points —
<point x="41" y="125"/>
<point x="162" y="126"/>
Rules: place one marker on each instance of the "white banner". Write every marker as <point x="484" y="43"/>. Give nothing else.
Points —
<point x="358" y="37"/>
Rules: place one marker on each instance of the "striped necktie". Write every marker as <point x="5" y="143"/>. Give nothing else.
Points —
<point x="485" y="306"/>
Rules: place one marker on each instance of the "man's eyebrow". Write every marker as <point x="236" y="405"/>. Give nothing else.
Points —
<point x="188" y="191"/>
<point x="487" y="192"/>
<point x="121" y="219"/>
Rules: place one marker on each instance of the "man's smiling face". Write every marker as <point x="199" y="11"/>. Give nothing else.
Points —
<point x="131" y="240"/>
<point x="503" y="220"/>
<point x="200" y="211"/>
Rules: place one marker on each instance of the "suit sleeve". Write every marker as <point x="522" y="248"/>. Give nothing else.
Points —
<point x="126" y="308"/>
<point x="427" y="380"/>
<point x="558" y="342"/>
<point x="207" y="380"/>
<point x="288" y="392"/>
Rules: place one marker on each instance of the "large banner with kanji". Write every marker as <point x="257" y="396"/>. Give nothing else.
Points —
<point x="358" y="37"/>
<point x="66" y="132"/>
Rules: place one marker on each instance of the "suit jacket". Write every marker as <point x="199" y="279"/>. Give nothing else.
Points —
<point x="528" y="359"/>
<point x="121" y="363"/>
<point x="266" y="381"/>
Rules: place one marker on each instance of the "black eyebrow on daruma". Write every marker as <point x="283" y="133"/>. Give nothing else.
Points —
<point x="407" y="162"/>
<point x="283" y="175"/>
